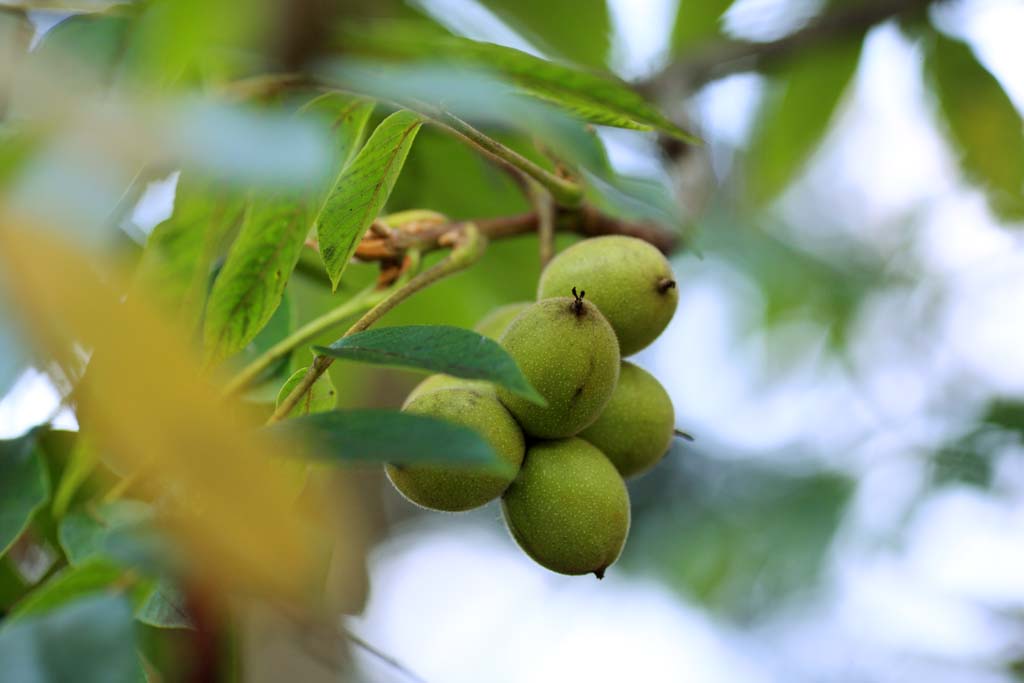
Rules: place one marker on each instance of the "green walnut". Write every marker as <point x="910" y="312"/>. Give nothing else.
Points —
<point x="495" y="323"/>
<point x="636" y="427"/>
<point x="453" y="489"/>
<point x="629" y="280"/>
<point x="568" y="352"/>
<point x="435" y="382"/>
<point x="568" y="509"/>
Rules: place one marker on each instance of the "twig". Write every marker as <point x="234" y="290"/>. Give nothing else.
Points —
<point x="727" y="57"/>
<point x="467" y="246"/>
<point x="544" y="207"/>
<point x="359" y="303"/>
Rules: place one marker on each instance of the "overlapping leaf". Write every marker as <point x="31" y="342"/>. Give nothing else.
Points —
<point x="387" y="436"/>
<point x="436" y="348"/>
<point x="543" y="23"/>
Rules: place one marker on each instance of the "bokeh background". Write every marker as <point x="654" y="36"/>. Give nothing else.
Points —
<point x="849" y="355"/>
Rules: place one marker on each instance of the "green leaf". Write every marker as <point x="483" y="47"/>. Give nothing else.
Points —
<point x="320" y="398"/>
<point x="24" y="486"/>
<point x="88" y="641"/>
<point x="982" y="123"/>
<point x="93" y="537"/>
<point x="249" y="288"/>
<point x="387" y="436"/>
<point x="347" y="116"/>
<point x="697" y="22"/>
<point x="163" y="606"/>
<point x="436" y="348"/>
<point x="595" y="98"/>
<point x="544" y="22"/>
<point x="84" y="535"/>
<point x="796" y="115"/>
<point x="362" y="189"/>
<point x="280" y="325"/>
<point x="67" y="585"/>
<point x="176" y="263"/>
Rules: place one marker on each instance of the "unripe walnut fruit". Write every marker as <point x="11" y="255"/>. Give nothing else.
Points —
<point x="629" y="280"/>
<point x="568" y="509"/>
<point x="636" y="427"/>
<point x="568" y="352"/>
<point x="453" y="489"/>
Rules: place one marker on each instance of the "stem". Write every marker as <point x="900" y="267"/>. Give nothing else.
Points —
<point x="565" y="192"/>
<point x="467" y="250"/>
<point x="364" y="300"/>
<point x="544" y="207"/>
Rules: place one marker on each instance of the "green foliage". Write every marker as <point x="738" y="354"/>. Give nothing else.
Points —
<point x="544" y="23"/>
<point x="436" y="348"/>
<point x="796" y="114"/>
<point x="386" y="436"/>
<point x="347" y="116"/>
<point x="697" y="23"/>
<point x="594" y="98"/>
<point x="24" y="486"/>
<point x="67" y="585"/>
<point x="249" y="288"/>
<point x="179" y="253"/>
<point x="362" y="189"/>
<point x="88" y="641"/>
<point x="321" y="397"/>
<point x="982" y="123"/>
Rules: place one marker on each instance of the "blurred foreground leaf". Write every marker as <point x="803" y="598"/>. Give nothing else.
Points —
<point x="148" y="408"/>
<point x="88" y="641"/>
<point x="697" y="23"/>
<point x="984" y="125"/>
<point x="436" y="348"/>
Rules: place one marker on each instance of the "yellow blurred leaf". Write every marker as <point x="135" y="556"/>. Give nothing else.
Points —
<point x="148" y="406"/>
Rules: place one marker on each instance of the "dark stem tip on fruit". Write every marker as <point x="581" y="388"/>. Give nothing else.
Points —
<point x="599" y="573"/>
<point x="665" y="284"/>
<point x="683" y="435"/>
<point x="577" y="305"/>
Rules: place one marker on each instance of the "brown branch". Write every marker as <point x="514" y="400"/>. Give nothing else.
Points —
<point x="732" y="56"/>
<point x="585" y="220"/>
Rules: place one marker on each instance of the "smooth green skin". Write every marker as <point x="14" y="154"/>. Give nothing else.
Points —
<point x="636" y="428"/>
<point x="495" y="323"/>
<point x="620" y="276"/>
<point x="461" y="488"/>
<point x="571" y="358"/>
<point x="568" y="509"/>
<point x="492" y="325"/>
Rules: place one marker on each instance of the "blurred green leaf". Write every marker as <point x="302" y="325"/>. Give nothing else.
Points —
<point x="162" y="605"/>
<point x="595" y="98"/>
<point x="388" y="436"/>
<point x="67" y="585"/>
<point x="697" y="23"/>
<point x="176" y="263"/>
<point x="84" y="535"/>
<point x="88" y="44"/>
<point x="796" y="114"/>
<point x="362" y="189"/>
<point x="250" y="286"/>
<point x="579" y="30"/>
<point x="1007" y="414"/>
<point x="436" y="348"/>
<point x="81" y="461"/>
<point x="982" y="123"/>
<point x="744" y="538"/>
<point x="320" y="398"/>
<point x="88" y="641"/>
<point x="24" y="486"/>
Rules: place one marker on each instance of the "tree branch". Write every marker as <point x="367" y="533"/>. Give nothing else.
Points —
<point x="728" y="57"/>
